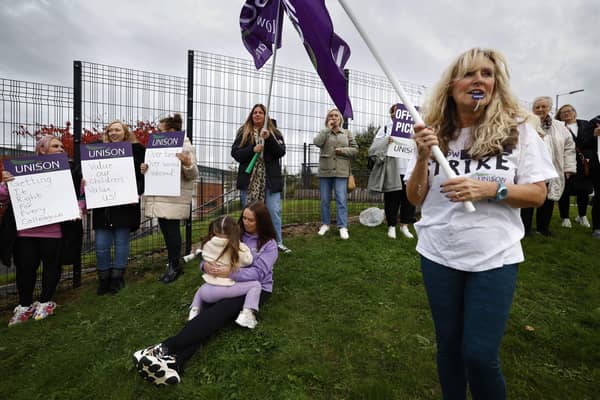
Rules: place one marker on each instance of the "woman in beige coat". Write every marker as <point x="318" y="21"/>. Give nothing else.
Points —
<point x="338" y="148"/>
<point x="171" y="210"/>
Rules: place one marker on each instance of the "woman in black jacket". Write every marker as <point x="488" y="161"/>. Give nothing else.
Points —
<point x="113" y="224"/>
<point x="265" y="182"/>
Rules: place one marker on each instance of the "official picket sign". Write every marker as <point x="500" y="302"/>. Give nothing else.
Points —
<point x="402" y="133"/>
<point x="164" y="168"/>
<point x="109" y="174"/>
<point x="42" y="192"/>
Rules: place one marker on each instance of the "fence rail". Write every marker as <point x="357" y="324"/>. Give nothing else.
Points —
<point x="214" y="99"/>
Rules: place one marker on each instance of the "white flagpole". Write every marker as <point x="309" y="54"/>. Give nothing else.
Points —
<point x="437" y="153"/>
<point x="268" y="105"/>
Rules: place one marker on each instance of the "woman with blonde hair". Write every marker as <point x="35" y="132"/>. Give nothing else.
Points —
<point x="469" y="260"/>
<point x="114" y="224"/>
<point x="338" y="149"/>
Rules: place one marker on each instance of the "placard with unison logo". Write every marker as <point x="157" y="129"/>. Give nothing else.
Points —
<point x="42" y="192"/>
<point x="164" y="168"/>
<point x="108" y="170"/>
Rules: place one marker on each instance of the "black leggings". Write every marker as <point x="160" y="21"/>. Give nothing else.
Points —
<point x="197" y="331"/>
<point x="28" y="252"/>
<point x="583" y="198"/>
<point x="543" y="216"/>
<point x="172" y="235"/>
<point x="394" y="201"/>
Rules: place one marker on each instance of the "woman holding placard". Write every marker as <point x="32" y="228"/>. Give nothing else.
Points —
<point x="30" y="247"/>
<point x="113" y="224"/>
<point x="469" y="261"/>
<point x="387" y="176"/>
<point x="170" y="210"/>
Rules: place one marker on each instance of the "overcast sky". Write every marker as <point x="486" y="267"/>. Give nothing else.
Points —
<point x="552" y="46"/>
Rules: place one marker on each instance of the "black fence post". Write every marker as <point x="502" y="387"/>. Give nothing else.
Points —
<point x="77" y="96"/>
<point x="190" y="133"/>
<point x="347" y="78"/>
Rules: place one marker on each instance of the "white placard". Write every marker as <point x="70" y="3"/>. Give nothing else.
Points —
<point x="163" y="177"/>
<point x="42" y="198"/>
<point x="108" y="170"/>
<point x="401" y="148"/>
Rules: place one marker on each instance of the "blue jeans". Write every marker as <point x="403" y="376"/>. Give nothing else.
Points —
<point x="340" y="185"/>
<point x="104" y="241"/>
<point x="470" y="311"/>
<point x="273" y="204"/>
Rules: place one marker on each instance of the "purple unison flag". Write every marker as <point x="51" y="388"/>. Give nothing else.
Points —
<point x="327" y="51"/>
<point x="257" y="22"/>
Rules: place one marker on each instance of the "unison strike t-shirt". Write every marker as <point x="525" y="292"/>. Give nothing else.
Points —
<point x="491" y="236"/>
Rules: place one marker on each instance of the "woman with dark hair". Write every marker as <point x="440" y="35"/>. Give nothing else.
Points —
<point x="43" y="244"/>
<point x="469" y="261"/>
<point x="163" y="362"/>
<point x="171" y="210"/>
<point x="265" y="182"/>
<point x="114" y="224"/>
<point x="580" y="183"/>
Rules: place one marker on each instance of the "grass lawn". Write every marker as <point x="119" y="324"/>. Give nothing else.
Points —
<point x="347" y="320"/>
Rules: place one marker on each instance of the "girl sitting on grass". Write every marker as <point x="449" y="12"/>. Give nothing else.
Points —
<point x="222" y="247"/>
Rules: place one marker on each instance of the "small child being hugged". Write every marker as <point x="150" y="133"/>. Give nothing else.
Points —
<point x="222" y="246"/>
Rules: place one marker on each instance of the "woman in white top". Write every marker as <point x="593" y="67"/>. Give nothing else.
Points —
<point x="469" y="260"/>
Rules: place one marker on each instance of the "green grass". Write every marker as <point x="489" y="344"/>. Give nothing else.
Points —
<point x="348" y="320"/>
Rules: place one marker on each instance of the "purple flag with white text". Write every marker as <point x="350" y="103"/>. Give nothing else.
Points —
<point x="327" y="51"/>
<point x="257" y="22"/>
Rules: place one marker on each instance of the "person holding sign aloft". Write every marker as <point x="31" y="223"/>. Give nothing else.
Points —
<point x="387" y="176"/>
<point x="41" y="244"/>
<point x="171" y="210"/>
<point x="338" y="149"/>
<point x="112" y="225"/>
<point x="469" y="261"/>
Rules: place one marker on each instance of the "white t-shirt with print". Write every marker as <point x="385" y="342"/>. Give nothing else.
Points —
<point x="491" y="236"/>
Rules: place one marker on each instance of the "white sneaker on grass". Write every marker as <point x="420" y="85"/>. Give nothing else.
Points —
<point x="583" y="221"/>
<point x="323" y="230"/>
<point x="392" y="232"/>
<point x="405" y="232"/>
<point x="566" y="223"/>
<point x="344" y="234"/>
<point x="246" y="319"/>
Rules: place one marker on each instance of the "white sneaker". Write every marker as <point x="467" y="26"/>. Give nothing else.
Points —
<point x="323" y="230"/>
<point x="566" y="223"/>
<point x="344" y="234"/>
<point x="392" y="232"/>
<point x="193" y="312"/>
<point x="583" y="221"/>
<point x="404" y="231"/>
<point x="246" y="319"/>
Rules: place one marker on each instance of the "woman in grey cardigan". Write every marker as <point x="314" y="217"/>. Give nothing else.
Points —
<point x="338" y="148"/>
<point x="387" y="177"/>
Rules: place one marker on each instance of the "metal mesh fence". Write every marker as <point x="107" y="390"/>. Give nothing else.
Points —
<point x="214" y="99"/>
<point x="27" y="111"/>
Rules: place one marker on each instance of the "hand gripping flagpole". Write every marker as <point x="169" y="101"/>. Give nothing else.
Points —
<point x="275" y="31"/>
<point x="437" y="153"/>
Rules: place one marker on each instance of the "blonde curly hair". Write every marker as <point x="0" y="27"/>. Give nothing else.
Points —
<point x="496" y="129"/>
